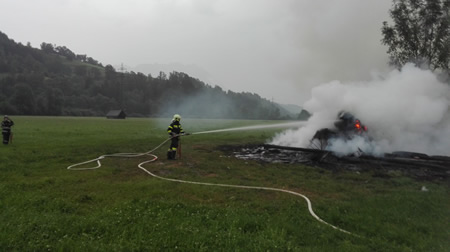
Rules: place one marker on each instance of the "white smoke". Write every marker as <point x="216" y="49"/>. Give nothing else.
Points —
<point x="357" y="145"/>
<point x="405" y="110"/>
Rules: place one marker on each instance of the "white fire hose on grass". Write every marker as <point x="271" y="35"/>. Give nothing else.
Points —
<point x="140" y="166"/>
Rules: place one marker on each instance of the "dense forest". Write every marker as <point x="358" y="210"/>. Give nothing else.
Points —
<point x="53" y="80"/>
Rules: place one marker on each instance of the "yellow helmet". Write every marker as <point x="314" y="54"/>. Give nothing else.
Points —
<point x="177" y="117"/>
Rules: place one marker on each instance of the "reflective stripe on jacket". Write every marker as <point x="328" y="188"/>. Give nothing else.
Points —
<point x="6" y="125"/>
<point x="175" y="127"/>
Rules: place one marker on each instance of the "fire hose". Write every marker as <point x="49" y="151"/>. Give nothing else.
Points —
<point x="154" y="158"/>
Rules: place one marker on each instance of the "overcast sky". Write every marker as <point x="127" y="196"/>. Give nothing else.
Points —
<point x="278" y="49"/>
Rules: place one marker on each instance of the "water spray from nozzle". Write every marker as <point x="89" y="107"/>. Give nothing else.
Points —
<point x="254" y="127"/>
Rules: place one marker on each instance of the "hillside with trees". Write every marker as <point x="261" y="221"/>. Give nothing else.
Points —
<point x="53" y="80"/>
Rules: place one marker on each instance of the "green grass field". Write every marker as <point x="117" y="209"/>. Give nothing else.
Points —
<point x="44" y="206"/>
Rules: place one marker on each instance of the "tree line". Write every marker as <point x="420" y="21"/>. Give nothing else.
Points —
<point x="53" y="80"/>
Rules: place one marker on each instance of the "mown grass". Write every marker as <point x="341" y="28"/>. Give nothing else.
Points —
<point x="44" y="206"/>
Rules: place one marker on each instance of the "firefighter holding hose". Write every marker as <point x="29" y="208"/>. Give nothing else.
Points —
<point x="6" y="129"/>
<point x="174" y="130"/>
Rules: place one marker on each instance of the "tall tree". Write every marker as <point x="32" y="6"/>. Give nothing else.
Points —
<point x="420" y="33"/>
<point x="47" y="47"/>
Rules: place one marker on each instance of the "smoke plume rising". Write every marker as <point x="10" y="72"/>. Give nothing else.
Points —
<point x="406" y="110"/>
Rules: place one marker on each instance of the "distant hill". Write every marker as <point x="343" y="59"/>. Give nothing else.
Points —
<point x="192" y="70"/>
<point x="291" y="108"/>
<point x="53" y="80"/>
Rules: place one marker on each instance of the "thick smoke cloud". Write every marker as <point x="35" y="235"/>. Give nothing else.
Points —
<point x="405" y="110"/>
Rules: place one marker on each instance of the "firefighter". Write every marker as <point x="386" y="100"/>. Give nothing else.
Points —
<point x="6" y="129"/>
<point x="174" y="130"/>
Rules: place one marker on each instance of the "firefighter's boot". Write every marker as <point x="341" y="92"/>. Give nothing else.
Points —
<point x="174" y="155"/>
<point x="169" y="155"/>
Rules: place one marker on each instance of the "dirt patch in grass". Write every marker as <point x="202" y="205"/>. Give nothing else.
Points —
<point x="211" y="175"/>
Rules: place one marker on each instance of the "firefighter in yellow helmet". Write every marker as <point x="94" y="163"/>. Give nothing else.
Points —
<point x="174" y="131"/>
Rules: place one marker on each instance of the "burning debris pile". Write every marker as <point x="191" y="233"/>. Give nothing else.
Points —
<point x="406" y="109"/>
<point x="347" y="145"/>
<point x="416" y="165"/>
<point x="347" y="128"/>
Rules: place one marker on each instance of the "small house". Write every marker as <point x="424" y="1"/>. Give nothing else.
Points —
<point x="116" y="114"/>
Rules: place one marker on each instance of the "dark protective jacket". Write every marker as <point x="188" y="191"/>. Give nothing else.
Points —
<point x="6" y="125"/>
<point x="175" y="128"/>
